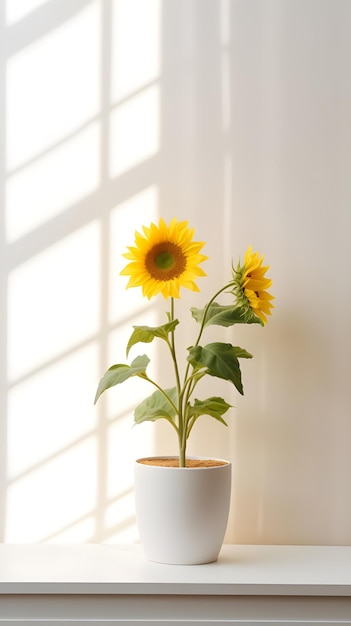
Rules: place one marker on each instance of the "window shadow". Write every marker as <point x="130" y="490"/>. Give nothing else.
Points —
<point x="70" y="202"/>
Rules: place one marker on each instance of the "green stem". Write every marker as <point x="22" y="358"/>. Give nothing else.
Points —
<point x="181" y="426"/>
<point x="184" y="393"/>
<point x="173" y="351"/>
<point x="190" y="425"/>
<point x="202" y="326"/>
<point x="188" y="389"/>
<point x="182" y="451"/>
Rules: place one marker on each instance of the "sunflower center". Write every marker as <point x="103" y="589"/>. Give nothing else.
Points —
<point x="165" y="261"/>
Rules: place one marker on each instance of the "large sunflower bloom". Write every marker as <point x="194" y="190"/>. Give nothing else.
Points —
<point x="164" y="259"/>
<point x="251" y="286"/>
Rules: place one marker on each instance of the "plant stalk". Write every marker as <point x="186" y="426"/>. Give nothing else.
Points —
<point x="188" y="386"/>
<point x="181" y="425"/>
<point x="182" y="451"/>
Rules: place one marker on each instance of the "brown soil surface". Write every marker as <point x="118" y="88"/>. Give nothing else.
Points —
<point x="175" y="463"/>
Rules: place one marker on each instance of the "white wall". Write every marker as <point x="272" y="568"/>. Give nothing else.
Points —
<point x="291" y="141"/>
<point x="233" y="114"/>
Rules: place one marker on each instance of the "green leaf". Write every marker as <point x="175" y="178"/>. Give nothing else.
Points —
<point x="220" y="315"/>
<point x="156" y="407"/>
<point x="215" y="407"/>
<point x="221" y="361"/>
<point x="119" y="373"/>
<point x="146" y="334"/>
<point x="241" y="353"/>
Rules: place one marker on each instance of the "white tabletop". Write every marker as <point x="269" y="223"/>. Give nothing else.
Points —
<point x="123" y="570"/>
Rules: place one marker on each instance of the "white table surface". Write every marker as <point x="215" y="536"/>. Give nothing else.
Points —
<point x="123" y="569"/>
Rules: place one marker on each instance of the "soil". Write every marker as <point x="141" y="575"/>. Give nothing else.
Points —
<point x="172" y="462"/>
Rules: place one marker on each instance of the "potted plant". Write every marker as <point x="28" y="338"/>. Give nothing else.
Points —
<point x="182" y="504"/>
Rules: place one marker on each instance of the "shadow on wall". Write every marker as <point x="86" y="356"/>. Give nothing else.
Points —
<point x="104" y="124"/>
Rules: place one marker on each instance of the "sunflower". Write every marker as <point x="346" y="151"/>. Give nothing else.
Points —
<point x="250" y="285"/>
<point x="164" y="259"/>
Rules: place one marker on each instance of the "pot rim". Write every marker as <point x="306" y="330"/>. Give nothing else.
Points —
<point x="224" y="462"/>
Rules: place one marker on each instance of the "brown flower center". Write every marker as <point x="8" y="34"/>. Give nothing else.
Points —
<point x="165" y="261"/>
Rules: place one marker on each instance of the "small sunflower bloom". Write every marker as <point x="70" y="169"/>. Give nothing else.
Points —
<point x="251" y="284"/>
<point x="163" y="259"/>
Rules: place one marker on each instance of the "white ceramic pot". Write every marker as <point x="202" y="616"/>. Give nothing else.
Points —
<point x="182" y="513"/>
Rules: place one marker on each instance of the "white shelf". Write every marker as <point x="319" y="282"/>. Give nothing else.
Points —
<point x="63" y="585"/>
<point x="123" y="570"/>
